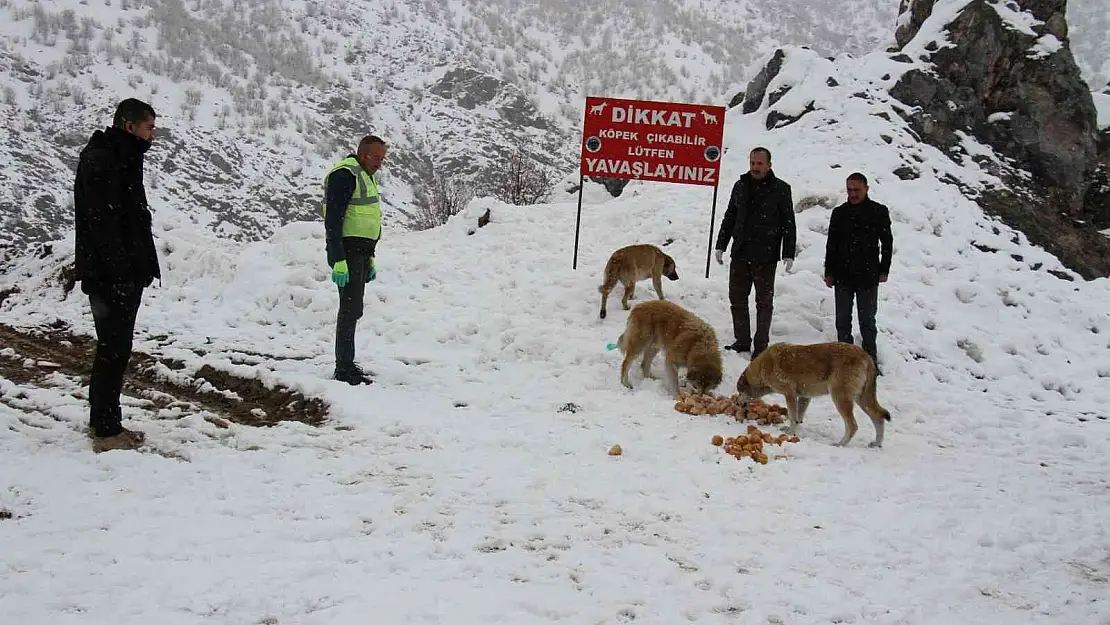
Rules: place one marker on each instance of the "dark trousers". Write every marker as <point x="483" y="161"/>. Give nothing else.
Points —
<point x="114" y="308"/>
<point x="867" y="303"/>
<point x="351" y="302"/>
<point x="742" y="275"/>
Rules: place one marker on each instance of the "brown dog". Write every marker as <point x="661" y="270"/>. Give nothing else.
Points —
<point x="633" y="263"/>
<point x="801" y="372"/>
<point x="686" y="341"/>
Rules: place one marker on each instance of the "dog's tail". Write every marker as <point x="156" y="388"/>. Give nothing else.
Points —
<point x="621" y="342"/>
<point x="869" y="395"/>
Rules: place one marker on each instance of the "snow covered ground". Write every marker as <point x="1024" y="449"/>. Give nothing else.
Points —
<point x="460" y="488"/>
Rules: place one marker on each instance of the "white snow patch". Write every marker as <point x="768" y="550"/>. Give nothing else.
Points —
<point x="1102" y="106"/>
<point x="933" y="29"/>
<point x="1046" y="46"/>
<point x="1014" y="18"/>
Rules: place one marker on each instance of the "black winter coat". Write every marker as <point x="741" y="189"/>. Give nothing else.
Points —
<point x="759" y="220"/>
<point x="114" y="241"/>
<point x="859" y="244"/>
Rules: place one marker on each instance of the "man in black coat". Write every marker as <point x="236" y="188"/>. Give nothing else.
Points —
<point x="857" y="260"/>
<point x="760" y="222"/>
<point x="115" y="257"/>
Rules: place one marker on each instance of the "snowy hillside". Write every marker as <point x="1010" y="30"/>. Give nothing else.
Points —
<point x="1089" y="32"/>
<point x="257" y="97"/>
<point x="471" y="483"/>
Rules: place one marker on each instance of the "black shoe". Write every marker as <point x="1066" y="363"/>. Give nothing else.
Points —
<point x="353" y="376"/>
<point x="757" y="352"/>
<point x="738" y="347"/>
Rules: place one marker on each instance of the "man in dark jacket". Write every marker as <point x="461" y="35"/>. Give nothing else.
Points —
<point x="352" y="225"/>
<point x="857" y="260"/>
<point x="115" y="257"/>
<point x="760" y="222"/>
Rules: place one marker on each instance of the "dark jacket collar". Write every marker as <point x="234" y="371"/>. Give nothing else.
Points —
<point x="122" y="142"/>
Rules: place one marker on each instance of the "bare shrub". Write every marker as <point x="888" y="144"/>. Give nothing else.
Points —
<point x="519" y="180"/>
<point x="193" y="96"/>
<point x="437" y="201"/>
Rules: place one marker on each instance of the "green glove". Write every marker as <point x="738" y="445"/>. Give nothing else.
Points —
<point x="339" y="273"/>
<point x="373" y="273"/>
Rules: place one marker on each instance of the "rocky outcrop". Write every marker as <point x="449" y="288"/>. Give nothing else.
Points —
<point x="1096" y="204"/>
<point x="615" y="186"/>
<point x="773" y="88"/>
<point x="757" y="88"/>
<point x="1008" y="78"/>
<point x="470" y="89"/>
<point x="911" y="15"/>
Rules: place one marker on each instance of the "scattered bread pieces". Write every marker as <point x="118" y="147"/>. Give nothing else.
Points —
<point x="757" y="410"/>
<point x="750" y="444"/>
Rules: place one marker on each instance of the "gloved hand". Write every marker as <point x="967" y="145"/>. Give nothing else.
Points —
<point x="339" y="273"/>
<point x="373" y="273"/>
<point x="719" y="255"/>
<point x="788" y="263"/>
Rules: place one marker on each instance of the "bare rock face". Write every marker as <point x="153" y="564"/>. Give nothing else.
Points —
<point x="911" y="15"/>
<point x="1096" y="204"/>
<point x="757" y="88"/>
<point x="773" y="88"/>
<point x="1009" y="79"/>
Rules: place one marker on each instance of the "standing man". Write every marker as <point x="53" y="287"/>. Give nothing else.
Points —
<point x="353" y="224"/>
<point x="857" y="260"/>
<point x="760" y="222"/>
<point x="115" y="258"/>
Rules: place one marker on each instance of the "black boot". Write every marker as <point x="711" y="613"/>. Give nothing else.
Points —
<point x="353" y="375"/>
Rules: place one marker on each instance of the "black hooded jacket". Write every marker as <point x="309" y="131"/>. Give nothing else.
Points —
<point x="759" y="220"/>
<point x="858" y="248"/>
<point x="114" y="241"/>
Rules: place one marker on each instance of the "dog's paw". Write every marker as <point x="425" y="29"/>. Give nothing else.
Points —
<point x="875" y="445"/>
<point x="602" y="314"/>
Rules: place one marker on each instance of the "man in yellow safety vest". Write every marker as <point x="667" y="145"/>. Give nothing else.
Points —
<point x="353" y="224"/>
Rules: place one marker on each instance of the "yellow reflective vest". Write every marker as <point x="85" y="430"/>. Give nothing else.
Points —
<point x="364" y="211"/>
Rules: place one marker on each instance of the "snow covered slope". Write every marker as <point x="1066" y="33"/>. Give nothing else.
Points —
<point x="258" y="97"/>
<point x="471" y="483"/>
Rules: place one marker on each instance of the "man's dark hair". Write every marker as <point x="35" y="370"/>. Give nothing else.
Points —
<point x="765" y="151"/>
<point x="858" y="177"/>
<point x="368" y="141"/>
<point x="134" y="111"/>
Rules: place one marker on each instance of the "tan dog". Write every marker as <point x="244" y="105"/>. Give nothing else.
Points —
<point x="800" y="372"/>
<point x="686" y="341"/>
<point x="633" y="263"/>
